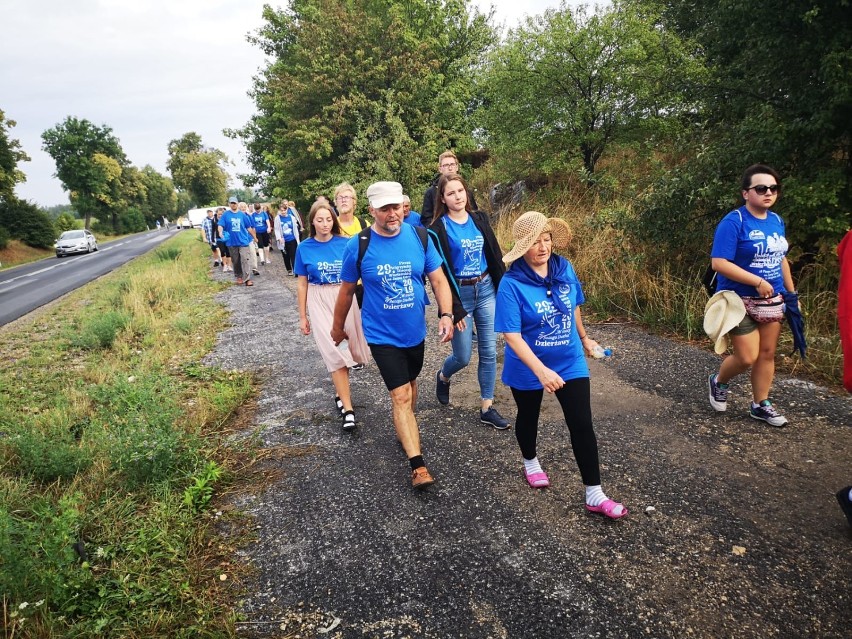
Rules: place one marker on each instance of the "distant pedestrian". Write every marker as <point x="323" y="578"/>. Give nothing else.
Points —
<point x="158" y="225"/>
<point x="749" y="254"/>
<point x="240" y="234"/>
<point x="392" y="267"/>
<point x="262" y="229"/>
<point x="538" y="312"/>
<point x="447" y="163"/>
<point x="473" y="264"/>
<point x="210" y="235"/>
<point x="221" y="242"/>
<point x="287" y="234"/>
<point x="319" y="261"/>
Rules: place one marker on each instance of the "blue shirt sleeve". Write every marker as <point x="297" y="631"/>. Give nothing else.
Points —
<point x="726" y="238"/>
<point x="349" y="273"/>
<point x="299" y="267"/>
<point x="507" y="312"/>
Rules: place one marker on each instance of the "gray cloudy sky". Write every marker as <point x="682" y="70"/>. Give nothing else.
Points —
<point x="150" y="69"/>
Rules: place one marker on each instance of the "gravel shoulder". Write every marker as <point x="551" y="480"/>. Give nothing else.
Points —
<point x="733" y="531"/>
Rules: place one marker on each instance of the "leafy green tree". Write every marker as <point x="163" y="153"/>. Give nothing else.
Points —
<point x="361" y="90"/>
<point x="59" y="209"/>
<point x="197" y="169"/>
<point x="161" y="197"/>
<point x="10" y="154"/>
<point x="89" y="160"/>
<point x="780" y="93"/>
<point x="568" y="85"/>
<point x="65" y="222"/>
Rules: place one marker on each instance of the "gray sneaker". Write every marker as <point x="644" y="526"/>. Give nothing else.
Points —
<point x="766" y="412"/>
<point x="493" y="418"/>
<point x="718" y="394"/>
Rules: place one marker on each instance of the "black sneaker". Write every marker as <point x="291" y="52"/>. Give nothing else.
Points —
<point x="357" y="366"/>
<point x="442" y="389"/>
<point x="718" y="394"/>
<point x="493" y="418"/>
<point x="349" y="420"/>
<point x="766" y="412"/>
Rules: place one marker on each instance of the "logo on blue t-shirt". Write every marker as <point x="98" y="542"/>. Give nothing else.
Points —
<point x="555" y="325"/>
<point x="396" y="285"/>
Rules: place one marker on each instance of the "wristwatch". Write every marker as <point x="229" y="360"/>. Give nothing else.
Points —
<point x="450" y="315"/>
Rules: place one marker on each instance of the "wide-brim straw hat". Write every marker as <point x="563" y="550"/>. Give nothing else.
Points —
<point x="723" y="312"/>
<point x="529" y="226"/>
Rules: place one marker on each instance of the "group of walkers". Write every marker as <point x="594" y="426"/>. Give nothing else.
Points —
<point x="240" y="240"/>
<point x="362" y="280"/>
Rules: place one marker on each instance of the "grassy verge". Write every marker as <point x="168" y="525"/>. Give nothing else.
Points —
<point x="621" y="282"/>
<point x="111" y="448"/>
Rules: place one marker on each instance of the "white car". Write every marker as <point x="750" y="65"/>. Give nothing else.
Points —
<point x="75" y="242"/>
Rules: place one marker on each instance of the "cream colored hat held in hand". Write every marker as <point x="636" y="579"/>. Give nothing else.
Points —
<point x="529" y="226"/>
<point x="723" y="312"/>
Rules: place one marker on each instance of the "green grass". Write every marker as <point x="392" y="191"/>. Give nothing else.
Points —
<point x="112" y="448"/>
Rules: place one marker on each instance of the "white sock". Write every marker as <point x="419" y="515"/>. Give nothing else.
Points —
<point x="532" y="466"/>
<point x="595" y="496"/>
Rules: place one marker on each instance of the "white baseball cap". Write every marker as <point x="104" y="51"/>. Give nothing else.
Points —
<point x="383" y="193"/>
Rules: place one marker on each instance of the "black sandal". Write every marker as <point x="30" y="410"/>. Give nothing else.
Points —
<point x="349" y="420"/>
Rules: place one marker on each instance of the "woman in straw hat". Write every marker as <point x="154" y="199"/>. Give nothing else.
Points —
<point x="473" y="265"/>
<point x="749" y="254"/>
<point x="538" y="312"/>
<point x="318" y="263"/>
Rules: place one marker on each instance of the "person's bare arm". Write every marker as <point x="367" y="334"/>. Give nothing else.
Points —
<point x="341" y="310"/>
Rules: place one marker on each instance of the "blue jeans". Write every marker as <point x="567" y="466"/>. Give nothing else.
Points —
<point x="479" y="301"/>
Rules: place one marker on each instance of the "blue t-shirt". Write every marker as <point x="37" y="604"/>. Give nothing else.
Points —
<point x="394" y="295"/>
<point x="465" y="248"/>
<point x="236" y="225"/>
<point x="758" y="246"/>
<point x="321" y="262"/>
<point x="526" y="309"/>
<point x="288" y="226"/>
<point x="413" y="219"/>
<point x="261" y="221"/>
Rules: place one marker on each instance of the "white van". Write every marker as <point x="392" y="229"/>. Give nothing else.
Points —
<point x="193" y="218"/>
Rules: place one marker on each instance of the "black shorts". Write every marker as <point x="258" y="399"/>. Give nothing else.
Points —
<point x="213" y="247"/>
<point x="262" y="239"/>
<point x="223" y="248"/>
<point x="398" y="366"/>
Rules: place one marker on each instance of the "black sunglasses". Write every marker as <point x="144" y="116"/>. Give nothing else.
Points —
<point x="761" y="189"/>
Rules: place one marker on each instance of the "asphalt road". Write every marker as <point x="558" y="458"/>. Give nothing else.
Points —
<point x="26" y="288"/>
<point x="733" y="530"/>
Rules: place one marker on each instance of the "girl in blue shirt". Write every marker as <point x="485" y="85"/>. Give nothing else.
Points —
<point x="473" y="265"/>
<point x="318" y="264"/>
<point x="750" y="255"/>
<point x="538" y="312"/>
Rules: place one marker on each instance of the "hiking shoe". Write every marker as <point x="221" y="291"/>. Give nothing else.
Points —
<point x="718" y="394"/>
<point x="420" y="478"/>
<point x="766" y="412"/>
<point x="442" y="389"/>
<point x="349" y="420"/>
<point x="493" y="418"/>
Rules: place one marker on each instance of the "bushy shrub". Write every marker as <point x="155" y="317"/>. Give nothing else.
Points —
<point x="168" y="253"/>
<point x="27" y="222"/>
<point x="4" y="238"/>
<point x="65" y="222"/>
<point x="131" y="221"/>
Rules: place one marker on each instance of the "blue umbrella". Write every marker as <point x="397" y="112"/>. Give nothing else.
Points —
<point x="796" y="322"/>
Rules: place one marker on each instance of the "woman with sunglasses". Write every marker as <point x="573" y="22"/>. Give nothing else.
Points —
<point x="749" y="255"/>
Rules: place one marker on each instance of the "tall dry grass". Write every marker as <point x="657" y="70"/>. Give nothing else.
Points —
<point x="628" y="280"/>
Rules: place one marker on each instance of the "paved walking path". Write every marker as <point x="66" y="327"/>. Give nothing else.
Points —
<point x="745" y="538"/>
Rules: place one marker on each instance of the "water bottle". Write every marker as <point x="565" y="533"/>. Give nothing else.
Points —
<point x="599" y="352"/>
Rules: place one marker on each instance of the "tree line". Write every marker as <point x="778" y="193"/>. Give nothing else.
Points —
<point x="103" y="185"/>
<point x="656" y="105"/>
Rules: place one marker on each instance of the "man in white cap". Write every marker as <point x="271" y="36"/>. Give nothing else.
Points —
<point x="238" y="227"/>
<point x="392" y="269"/>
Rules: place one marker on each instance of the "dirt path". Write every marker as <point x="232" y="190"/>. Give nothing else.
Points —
<point x="745" y="538"/>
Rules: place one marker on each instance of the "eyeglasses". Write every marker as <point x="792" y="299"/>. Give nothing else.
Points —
<point x="343" y="198"/>
<point x="449" y="165"/>
<point x="761" y="189"/>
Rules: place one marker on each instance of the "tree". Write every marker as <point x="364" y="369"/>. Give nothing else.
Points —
<point x="89" y="160"/>
<point x="567" y="85"/>
<point x="161" y="197"/>
<point x="196" y="169"/>
<point x="27" y="222"/>
<point x="780" y="93"/>
<point x="10" y="154"/>
<point x="361" y="90"/>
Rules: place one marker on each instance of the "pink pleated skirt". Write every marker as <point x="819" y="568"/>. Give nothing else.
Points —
<point x="321" y="301"/>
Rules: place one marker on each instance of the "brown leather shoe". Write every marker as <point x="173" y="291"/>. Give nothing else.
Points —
<point x="420" y="478"/>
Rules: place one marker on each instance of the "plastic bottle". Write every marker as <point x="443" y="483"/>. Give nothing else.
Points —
<point x="599" y="352"/>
